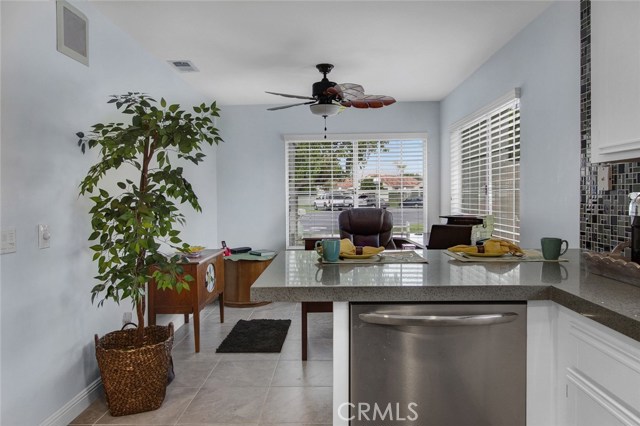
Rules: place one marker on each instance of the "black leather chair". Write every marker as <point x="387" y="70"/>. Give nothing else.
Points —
<point x="364" y="227"/>
<point x="367" y="227"/>
<point x="445" y="236"/>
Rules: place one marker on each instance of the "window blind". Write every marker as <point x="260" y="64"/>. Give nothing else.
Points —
<point x="485" y="167"/>
<point x="325" y="177"/>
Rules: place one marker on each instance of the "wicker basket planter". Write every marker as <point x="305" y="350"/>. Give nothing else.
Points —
<point x="134" y="378"/>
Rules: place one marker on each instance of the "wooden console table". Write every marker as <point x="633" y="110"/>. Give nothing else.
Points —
<point x="240" y="272"/>
<point x="208" y="273"/>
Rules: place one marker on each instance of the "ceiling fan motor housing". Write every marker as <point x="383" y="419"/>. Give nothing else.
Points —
<point x="319" y="90"/>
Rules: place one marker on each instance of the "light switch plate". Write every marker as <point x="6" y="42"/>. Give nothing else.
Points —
<point x="44" y="236"/>
<point x="9" y="241"/>
<point x="604" y="178"/>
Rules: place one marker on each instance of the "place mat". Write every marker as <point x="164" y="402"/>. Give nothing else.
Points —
<point x="247" y="256"/>
<point x="259" y="335"/>
<point x="384" y="258"/>
<point x="529" y="256"/>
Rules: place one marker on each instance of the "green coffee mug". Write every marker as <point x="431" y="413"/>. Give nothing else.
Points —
<point x="328" y="249"/>
<point x="328" y="274"/>
<point x="552" y="248"/>
<point x="553" y="273"/>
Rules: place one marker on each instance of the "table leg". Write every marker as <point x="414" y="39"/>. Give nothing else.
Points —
<point x="304" y="330"/>
<point x="221" y="301"/>
<point x="196" y="328"/>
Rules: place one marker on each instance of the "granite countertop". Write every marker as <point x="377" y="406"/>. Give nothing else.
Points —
<point x="297" y="276"/>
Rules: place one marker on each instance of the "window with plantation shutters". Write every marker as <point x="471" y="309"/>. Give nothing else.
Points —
<point x="325" y="177"/>
<point x="485" y="166"/>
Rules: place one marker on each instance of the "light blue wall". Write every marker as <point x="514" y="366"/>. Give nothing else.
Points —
<point x="544" y="61"/>
<point x="251" y="192"/>
<point x="47" y="320"/>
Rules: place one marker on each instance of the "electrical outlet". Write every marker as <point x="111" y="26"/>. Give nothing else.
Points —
<point x="604" y="178"/>
<point x="126" y="318"/>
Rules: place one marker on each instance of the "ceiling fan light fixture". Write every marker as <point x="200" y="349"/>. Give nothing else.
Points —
<point x="324" y="110"/>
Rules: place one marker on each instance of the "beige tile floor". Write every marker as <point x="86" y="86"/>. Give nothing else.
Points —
<point x="213" y="389"/>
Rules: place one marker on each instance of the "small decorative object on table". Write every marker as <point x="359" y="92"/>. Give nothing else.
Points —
<point x="239" y="250"/>
<point x="227" y="250"/>
<point x="194" y="251"/>
<point x="262" y="252"/>
<point x="491" y="247"/>
<point x="613" y="265"/>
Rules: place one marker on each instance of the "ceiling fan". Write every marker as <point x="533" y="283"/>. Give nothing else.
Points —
<point x="329" y="98"/>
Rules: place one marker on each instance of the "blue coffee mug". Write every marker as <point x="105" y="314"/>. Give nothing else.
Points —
<point x="329" y="249"/>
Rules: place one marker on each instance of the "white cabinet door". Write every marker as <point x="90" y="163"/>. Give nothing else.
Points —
<point x="585" y="411"/>
<point x="615" y="80"/>
<point x="598" y="374"/>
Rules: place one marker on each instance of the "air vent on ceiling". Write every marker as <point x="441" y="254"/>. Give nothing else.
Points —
<point x="184" y="66"/>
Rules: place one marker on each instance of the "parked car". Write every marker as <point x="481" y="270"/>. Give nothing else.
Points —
<point x="322" y="202"/>
<point x="369" y="200"/>
<point x="339" y="202"/>
<point x="412" y="202"/>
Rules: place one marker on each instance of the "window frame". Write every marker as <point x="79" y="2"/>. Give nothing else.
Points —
<point x="350" y="137"/>
<point x="484" y="120"/>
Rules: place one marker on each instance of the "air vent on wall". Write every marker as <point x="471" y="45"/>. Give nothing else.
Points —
<point x="72" y="28"/>
<point x="183" y="65"/>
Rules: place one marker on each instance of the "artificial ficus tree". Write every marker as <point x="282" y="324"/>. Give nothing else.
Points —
<point x="131" y="224"/>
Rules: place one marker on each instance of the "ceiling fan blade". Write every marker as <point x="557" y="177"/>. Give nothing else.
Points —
<point x="351" y="91"/>
<point x="291" y="105"/>
<point x="291" y="96"/>
<point x="369" y="101"/>
<point x="345" y="91"/>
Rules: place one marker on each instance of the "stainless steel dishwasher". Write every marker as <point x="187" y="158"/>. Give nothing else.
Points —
<point x="438" y="364"/>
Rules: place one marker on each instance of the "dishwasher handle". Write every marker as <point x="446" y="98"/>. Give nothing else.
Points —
<point x="437" y="320"/>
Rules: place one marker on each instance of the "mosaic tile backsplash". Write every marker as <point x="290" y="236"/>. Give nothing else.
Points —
<point x="604" y="215"/>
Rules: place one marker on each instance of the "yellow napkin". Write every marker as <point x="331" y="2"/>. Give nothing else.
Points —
<point x="347" y="248"/>
<point x="493" y="245"/>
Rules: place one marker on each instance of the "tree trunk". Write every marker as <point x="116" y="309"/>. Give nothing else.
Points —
<point x="140" y="314"/>
<point x="149" y="149"/>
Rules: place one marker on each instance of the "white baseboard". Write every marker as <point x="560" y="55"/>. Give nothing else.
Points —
<point x="76" y="406"/>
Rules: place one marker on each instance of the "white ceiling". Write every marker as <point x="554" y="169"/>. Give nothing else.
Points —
<point x="411" y="50"/>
